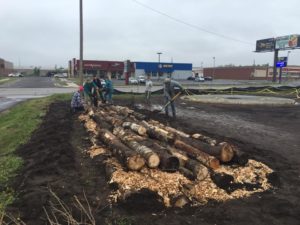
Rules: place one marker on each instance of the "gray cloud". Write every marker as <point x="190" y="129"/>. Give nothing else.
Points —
<point x="46" y="33"/>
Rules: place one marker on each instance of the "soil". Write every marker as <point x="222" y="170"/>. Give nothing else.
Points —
<point x="55" y="159"/>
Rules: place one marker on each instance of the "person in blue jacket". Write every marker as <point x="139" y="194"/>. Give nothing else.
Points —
<point x="109" y="89"/>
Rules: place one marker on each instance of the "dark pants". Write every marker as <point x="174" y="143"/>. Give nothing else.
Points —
<point x="77" y="109"/>
<point x="172" y="105"/>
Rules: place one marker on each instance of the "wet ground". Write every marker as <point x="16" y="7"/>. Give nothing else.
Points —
<point x="55" y="158"/>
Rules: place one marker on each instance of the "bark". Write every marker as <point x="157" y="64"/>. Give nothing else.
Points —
<point x="135" y="127"/>
<point x="202" y="157"/>
<point x="222" y="152"/>
<point x="157" y="133"/>
<point x="187" y="173"/>
<point x="132" y="160"/>
<point x="182" y="157"/>
<point x="169" y="129"/>
<point x="200" y="171"/>
<point x="240" y="157"/>
<point x="168" y="162"/>
<point x="205" y="139"/>
<point x="152" y="159"/>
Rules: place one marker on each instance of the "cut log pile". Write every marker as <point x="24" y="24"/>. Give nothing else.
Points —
<point x="181" y="168"/>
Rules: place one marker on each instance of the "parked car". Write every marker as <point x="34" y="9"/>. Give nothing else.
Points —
<point x="15" y="75"/>
<point x="61" y="75"/>
<point x="132" y="80"/>
<point x="199" y="79"/>
<point x="208" y="78"/>
<point x="141" y="80"/>
<point x="191" y="78"/>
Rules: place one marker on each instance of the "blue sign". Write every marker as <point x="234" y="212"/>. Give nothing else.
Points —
<point x="281" y="62"/>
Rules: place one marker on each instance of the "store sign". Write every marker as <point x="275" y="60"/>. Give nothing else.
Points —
<point x="281" y="62"/>
<point x="167" y="66"/>
<point x="288" y="42"/>
<point x="265" y="45"/>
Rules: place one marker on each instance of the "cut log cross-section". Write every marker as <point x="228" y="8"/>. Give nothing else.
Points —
<point x="202" y="157"/>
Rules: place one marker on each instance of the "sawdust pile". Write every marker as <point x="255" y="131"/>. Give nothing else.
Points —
<point x="243" y="181"/>
<point x="168" y="185"/>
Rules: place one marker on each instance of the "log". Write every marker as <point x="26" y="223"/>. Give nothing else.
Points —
<point x="168" y="162"/>
<point x="204" y="138"/>
<point x="202" y="157"/>
<point x="125" y="155"/>
<point x="169" y="129"/>
<point x="189" y="167"/>
<point x="135" y="127"/>
<point x="187" y="173"/>
<point x="200" y="171"/>
<point x="223" y="152"/>
<point x="152" y="159"/>
<point x="157" y="133"/>
<point x="182" y="157"/>
<point x="123" y="110"/>
<point x="240" y="158"/>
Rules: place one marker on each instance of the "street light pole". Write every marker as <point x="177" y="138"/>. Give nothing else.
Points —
<point x="81" y="43"/>
<point x="158" y="70"/>
<point x="214" y="64"/>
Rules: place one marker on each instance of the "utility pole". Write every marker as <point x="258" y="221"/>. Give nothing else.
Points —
<point x="274" y="65"/>
<point x="158" y="70"/>
<point x="81" y="43"/>
<point x="214" y="64"/>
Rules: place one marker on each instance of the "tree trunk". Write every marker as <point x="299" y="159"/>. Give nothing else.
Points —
<point x="205" y="139"/>
<point x="157" y="133"/>
<point x="169" y="129"/>
<point x="183" y="158"/>
<point x="131" y="159"/>
<point x="240" y="157"/>
<point x="168" y="162"/>
<point x="202" y="157"/>
<point x="135" y="127"/>
<point x="187" y="173"/>
<point x="200" y="171"/>
<point x="152" y="159"/>
<point x="222" y="152"/>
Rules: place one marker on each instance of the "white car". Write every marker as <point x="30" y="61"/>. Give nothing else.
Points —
<point x="132" y="80"/>
<point x="141" y="80"/>
<point x="61" y="75"/>
<point x="199" y="79"/>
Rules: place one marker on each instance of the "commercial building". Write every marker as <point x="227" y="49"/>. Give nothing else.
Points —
<point x="6" y="67"/>
<point x="155" y="69"/>
<point x="115" y="69"/>
<point x="250" y="73"/>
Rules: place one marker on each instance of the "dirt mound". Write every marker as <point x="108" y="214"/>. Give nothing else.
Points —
<point x="53" y="161"/>
<point x="54" y="158"/>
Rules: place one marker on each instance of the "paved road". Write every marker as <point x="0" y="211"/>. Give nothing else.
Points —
<point x="27" y="88"/>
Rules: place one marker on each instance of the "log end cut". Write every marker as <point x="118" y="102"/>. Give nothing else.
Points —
<point x="153" y="161"/>
<point x="227" y="153"/>
<point x="214" y="163"/>
<point x="135" y="163"/>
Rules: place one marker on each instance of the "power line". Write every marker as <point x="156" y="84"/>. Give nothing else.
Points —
<point x="191" y="25"/>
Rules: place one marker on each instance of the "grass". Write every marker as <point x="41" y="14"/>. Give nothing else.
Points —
<point x="16" y="127"/>
<point x="5" y="80"/>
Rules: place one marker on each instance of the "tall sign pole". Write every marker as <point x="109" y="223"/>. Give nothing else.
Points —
<point x="274" y="65"/>
<point x="81" y="43"/>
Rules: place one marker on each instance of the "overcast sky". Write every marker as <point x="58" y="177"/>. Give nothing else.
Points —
<point x="46" y="33"/>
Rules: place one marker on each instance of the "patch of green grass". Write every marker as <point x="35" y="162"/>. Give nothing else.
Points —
<point x="16" y="127"/>
<point x="5" y="80"/>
